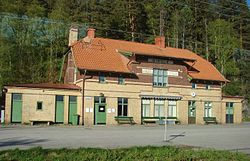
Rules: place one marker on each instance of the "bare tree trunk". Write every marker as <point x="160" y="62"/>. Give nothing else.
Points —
<point x="206" y="41"/>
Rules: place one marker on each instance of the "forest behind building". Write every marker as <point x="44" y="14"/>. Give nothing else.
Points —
<point x="34" y="33"/>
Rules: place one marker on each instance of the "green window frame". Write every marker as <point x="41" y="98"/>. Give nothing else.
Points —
<point x="102" y="78"/>
<point x="145" y="107"/>
<point x="121" y="80"/>
<point x="122" y="106"/>
<point x="207" y="109"/>
<point x="160" y="78"/>
<point x="39" y="105"/>
<point x="159" y="110"/>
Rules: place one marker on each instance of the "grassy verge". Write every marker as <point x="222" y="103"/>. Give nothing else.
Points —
<point x="134" y="153"/>
<point x="246" y="119"/>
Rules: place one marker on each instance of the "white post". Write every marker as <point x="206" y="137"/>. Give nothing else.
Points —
<point x="165" y="126"/>
<point x="2" y="116"/>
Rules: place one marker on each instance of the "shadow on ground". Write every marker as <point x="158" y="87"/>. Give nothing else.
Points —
<point x="16" y="141"/>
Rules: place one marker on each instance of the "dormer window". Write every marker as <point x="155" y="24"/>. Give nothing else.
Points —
<point x="160" y="77"/>
<point x="207" y="86"/>
<point x="194" y="86"/>
<point x="121" y="80"/>
<point x="102" y="78"/>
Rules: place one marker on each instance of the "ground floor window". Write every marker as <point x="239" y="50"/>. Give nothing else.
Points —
<point x="145" y="108"/>
<point x="172" y="108"/>
<point x="159" y="108"/>
<point x="122" y="106"/>
<point x="208" y="109"/>
<point x="229" y="108"/>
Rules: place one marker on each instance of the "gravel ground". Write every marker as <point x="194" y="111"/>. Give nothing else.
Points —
<point x="228" y="137"/>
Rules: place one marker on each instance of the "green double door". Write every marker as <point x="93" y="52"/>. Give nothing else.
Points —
<point x="229" y="113"/>
<point x="191" y="112"/>
<point x="59" y="109"/>
<point x="16" y="109"/>
<point x="72" y="108"/>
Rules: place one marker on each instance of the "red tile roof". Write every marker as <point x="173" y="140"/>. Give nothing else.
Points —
<point x="48" y="86"/>
<point x="102" y="54"/>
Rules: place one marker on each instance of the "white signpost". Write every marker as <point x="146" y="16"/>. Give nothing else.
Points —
<point x="2" y="116"/>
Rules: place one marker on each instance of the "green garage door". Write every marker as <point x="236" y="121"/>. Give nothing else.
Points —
<point x="16" y="110"/>
<point x="59" y="109"/>
<point x="72" y="108"/>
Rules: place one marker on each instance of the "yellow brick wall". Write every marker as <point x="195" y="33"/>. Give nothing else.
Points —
<point x="111" y="91"/>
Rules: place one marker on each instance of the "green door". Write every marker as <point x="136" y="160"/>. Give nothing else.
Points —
<point x="191" y="112"/>
<point x="100" y="113"/>
<point x="16" y="115"/>
<point x="229" y="113"/>
<point x="59" y="109"/>
<point x="72" y="108"/>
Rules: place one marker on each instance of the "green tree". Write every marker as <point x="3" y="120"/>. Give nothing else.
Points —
<point x="223" y="40"/>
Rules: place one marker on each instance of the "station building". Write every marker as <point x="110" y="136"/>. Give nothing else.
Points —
<point x="106" y="81"/>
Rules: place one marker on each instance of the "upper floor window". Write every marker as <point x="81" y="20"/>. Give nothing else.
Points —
<point x="194" y="85"/>
<point x="208" y="86"/>
<point x="160" y="77"/>
<point x="160" y="61"/>
<point x="102" y="78"/>
<point x="121" y="80"/>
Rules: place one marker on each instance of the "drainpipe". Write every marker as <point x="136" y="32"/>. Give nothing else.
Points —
<point x="84" y="78"/>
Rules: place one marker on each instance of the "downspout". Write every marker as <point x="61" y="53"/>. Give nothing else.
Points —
<point x="83" y="89"/>
<point x="84" y="78"/>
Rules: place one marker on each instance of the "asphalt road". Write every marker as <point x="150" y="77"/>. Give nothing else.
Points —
<point x="229" y="137"/>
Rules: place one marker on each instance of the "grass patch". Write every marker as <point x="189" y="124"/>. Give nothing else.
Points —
<point x="135" y="153"/>
<point x="246" y="119"/>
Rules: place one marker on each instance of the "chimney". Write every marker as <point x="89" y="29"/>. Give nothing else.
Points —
<point x="91" y="33"/>
<point x="73" y="35"/>
<point x="160" y="41"/>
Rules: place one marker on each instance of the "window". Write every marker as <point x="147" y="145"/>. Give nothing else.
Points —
<point x="59" y="98"/>
<point x="39" y="105"/>
<point x="159" y="77"/>
<point x="172" y="108"/>
<point x="192" y="107"/>
<point x="121" y="80"/>
<point x="194" y="85"/>
<point x="145" y="108"/>
<point x="122" y="107"/>
<point x="102" y="79"/>
<point x="72" y="98"/>
<point x="208" y="109"/>
<point x="159" y="108"/>
<point x="17" y="96"/>
<point x="98" y="99"/>
<point x="229" y="108"/>
<point x="207" y="86"/>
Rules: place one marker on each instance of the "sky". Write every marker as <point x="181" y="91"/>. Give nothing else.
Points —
<point x="248" y="2"/>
